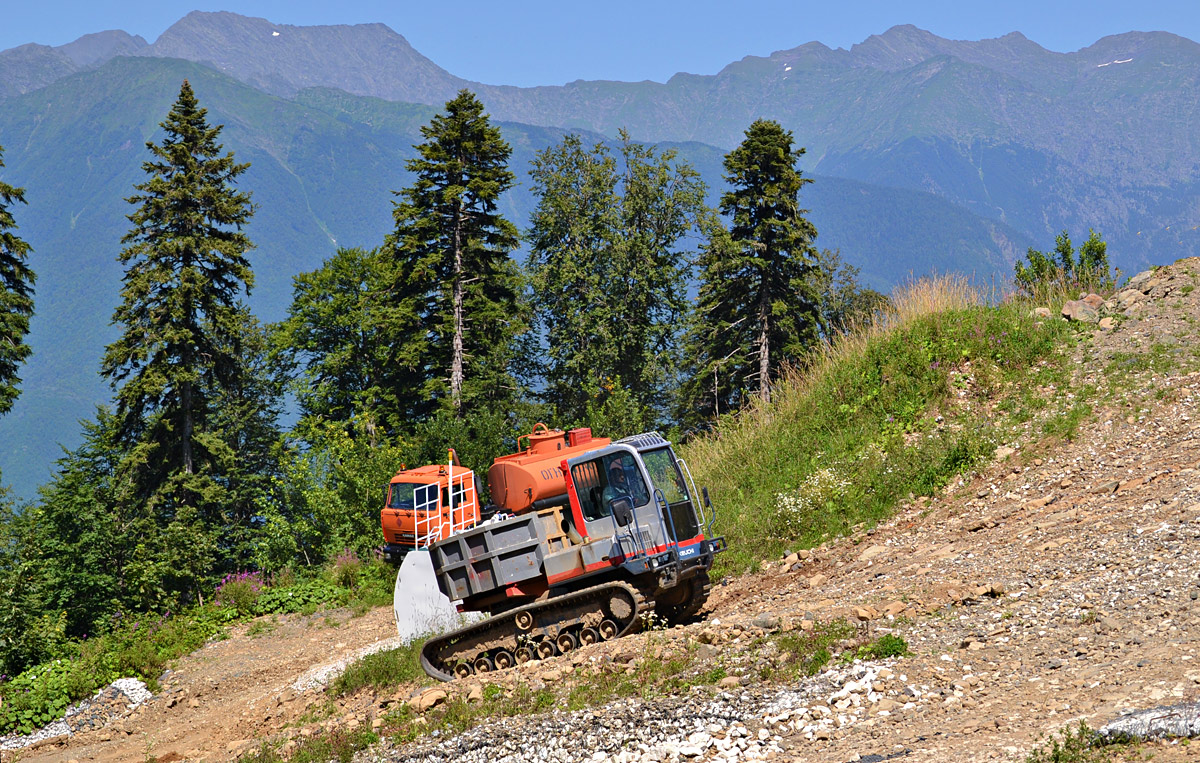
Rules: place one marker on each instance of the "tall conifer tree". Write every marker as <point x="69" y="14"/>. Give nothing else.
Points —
<point x="16" y="294"/>
<point x="454" y="298"/>
<point x="186" y="270"/>
<point x="758" y="307"/>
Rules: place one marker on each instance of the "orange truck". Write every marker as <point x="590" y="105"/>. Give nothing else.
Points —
<point x="430" y="503"/>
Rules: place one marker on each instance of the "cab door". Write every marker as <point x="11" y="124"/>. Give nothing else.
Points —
<point x="600" y="477"/>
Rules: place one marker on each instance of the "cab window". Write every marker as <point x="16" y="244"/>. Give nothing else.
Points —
<point x="401" y="496"/>
<point x="599" y="481"/>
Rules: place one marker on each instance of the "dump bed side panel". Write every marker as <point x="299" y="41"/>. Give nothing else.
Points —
<point x="490" y="556"/>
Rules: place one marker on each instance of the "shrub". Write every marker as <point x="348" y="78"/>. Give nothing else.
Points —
<point x="1044" y="273"/>
<point x="1073" y="744"/>
<point x="346" y="568"/>
<point x="240" y="590"/>
<point x="887" y="645"/>
<point x="38" y="696"/>
<point x="307" y="595"/>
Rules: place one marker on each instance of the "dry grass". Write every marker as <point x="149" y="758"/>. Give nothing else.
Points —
<point x="909" y="302"/>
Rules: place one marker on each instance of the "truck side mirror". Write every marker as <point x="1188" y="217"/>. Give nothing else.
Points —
<point x="707" y="502"/>
<point x="622" y="511"/>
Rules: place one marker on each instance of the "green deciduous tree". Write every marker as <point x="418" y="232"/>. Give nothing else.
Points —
<point x="84" y="536"/>
<point x="336" y="334"/>
<point x="758" y="305"/>
<point x="181" y="345"/>
<point x="245" y="413"/>
<point x="609" y="264"/>
<point x="452" y="307"/>
<point x="844" y="302"/>
<point x="16" y="294"/>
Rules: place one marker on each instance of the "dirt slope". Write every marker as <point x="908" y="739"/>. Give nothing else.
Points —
<point x="1060" y="584"/>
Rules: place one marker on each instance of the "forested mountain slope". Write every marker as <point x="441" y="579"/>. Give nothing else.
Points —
<point x="323" y="166"/>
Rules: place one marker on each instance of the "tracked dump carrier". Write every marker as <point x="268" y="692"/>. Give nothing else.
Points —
<point x="592" y="537"/>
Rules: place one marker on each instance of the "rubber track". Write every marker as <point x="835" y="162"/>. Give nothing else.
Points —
<point x="505" y="621"/>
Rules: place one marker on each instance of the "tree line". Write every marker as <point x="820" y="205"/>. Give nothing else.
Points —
<point x="638" y="307"/>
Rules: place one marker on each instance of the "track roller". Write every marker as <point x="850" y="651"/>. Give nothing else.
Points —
<point x="462" y="670"/>
<point x="504" y="660"/>
<point x="524" y="654"/>
<point x="566" y="642"/>
<point x="483" y="665"/>
<point x="608" y="629"/>
<point x="545" y="650"/>
<point x="588" y="636"/>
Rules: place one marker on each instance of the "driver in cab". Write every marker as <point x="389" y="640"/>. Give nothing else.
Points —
<point x="618" y="485"/>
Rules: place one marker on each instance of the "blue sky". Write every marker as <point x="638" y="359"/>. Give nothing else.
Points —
<point x="543" y="42"/>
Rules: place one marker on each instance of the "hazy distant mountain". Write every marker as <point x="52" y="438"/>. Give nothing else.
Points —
<point x="1013" y="132"/>
<point x="364" y="59"/>
<point x="32" y="66"/>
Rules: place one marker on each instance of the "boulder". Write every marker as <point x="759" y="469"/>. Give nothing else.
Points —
<point x="427" y="700"/>
<point x="1080" y="312"/>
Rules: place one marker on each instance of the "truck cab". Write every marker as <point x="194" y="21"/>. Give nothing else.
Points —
<point x="425" y="505"/>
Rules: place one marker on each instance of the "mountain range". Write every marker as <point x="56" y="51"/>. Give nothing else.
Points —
<point x="928" y="154"/>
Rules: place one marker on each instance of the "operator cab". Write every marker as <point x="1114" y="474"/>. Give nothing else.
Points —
<point x="635" y="492"/>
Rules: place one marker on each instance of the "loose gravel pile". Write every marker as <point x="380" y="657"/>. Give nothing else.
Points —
<point x="111" y="702"/>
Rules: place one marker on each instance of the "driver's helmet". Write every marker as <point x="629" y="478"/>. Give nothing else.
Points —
<point x="616" y="471"/>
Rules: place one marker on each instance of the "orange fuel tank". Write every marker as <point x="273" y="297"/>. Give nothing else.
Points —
<point x="534" y="474"/>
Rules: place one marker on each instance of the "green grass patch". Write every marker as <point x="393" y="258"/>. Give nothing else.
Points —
<point x="336" y="745"/>
<point x="893" y="411"/>
<point x="1065" y="425"/>
<point x="887" y="645"/>
<point x="650" y="677"/>
<point x="1080" y="744"/>
<point x="808" y="652"/>
<point x="383" y="670"/>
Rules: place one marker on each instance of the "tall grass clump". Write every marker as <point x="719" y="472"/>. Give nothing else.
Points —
<point x="891" y="408"/>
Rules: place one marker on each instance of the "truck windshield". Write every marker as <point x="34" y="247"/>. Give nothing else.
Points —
<point x="664" y="473"/>
<point x="412" y="496"/>
<point x="401" y="496"/>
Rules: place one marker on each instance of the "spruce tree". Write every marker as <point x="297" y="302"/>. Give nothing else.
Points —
<point x="757" y="307"/>
<point x="16" y="294"/>
<point x="186" y="270"/>
<point x="453" y="307"/>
